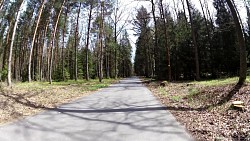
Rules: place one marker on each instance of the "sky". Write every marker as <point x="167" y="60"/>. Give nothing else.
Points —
<point x="131" y="7"/>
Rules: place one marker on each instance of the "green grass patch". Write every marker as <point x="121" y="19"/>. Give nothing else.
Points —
<point x="176" y="98"/>
<point x="162" y="91"/>
<point x="220" y="82"/>
<point x="82" y="85"/>
<point x="193" y="91"/>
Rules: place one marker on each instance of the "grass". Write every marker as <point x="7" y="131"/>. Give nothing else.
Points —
<point x="25" y="99"/>
<point x="162" y="91"/>
<point x="91" y="85"/>
<point x="220" y="82"/>
<point x="176" y="98"/>
<point x="193" y="91"/>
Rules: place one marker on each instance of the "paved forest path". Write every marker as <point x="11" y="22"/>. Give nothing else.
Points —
<point x="126" y="111"/>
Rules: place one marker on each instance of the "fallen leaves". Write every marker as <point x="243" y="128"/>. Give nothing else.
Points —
<point x="199" y="110"/>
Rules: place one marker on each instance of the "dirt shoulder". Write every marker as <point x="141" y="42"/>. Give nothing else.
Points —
<point x="25" y="99"/>
<point x="204" y="110"/>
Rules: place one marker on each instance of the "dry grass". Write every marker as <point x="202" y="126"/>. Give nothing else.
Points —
<point x="25" y="99"/>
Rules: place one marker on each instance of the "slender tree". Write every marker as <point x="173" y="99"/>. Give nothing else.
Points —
<point x="12" y="43"/>
<point x="163" y="16"/>
<point x="53" y="40"/>
<point x="101" y="43"/>
<point x="155" y="35"/>
<point x="76" y="39"/>
<point x="197" y="66"/>
<point x="240" y="35"/>
<point x="63" y="38"/>
<point x="88" y="38"/>
<point x="33" y="40"/>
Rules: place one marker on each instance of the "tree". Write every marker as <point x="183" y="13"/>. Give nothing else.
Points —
<point x="63" y="39"/>
<point x="163" y="17"/>
<point x="240" y="35"/>
<point x="33" y="40"/>
<point x="88" y="38"/>
<point x="101" y="42"/>
<point x="197" y="66"/>
<point x="76" y="39"/>
<point x="143" y="58"/>
<point x="53" y="40"/>
<point x="12" y="43"/>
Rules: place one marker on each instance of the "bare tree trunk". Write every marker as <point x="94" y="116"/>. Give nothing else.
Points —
<point x="209" y="15"/>
<point x="33" y="40"/>
<point x="52" y="42"/>
<point x="204" y="16"/>
<point x="240" y="35"/>
<point x="76" y="40"/>
<point x="116" y="20"/>
<point x="184" y="10"/>
<point x="15" y="60"/>
<point x="1" y="5"/>
<point x="87" y="45"/>
<point x="101" y="43"/>
<point x="156" y="36"/>
<point x="6" y="48"/>
<point x="163" y="16"/>
<point x="12" y="43"/>
<point x="197" y="66"/>
<point x="63" y="38"/>
<point x="42" y="54"/>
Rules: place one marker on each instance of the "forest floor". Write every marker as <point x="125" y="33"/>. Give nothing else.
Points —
<point x="203" y="108"/>
<point x="25" y="99"/>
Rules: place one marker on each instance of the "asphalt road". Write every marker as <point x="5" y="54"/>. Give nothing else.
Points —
<point x="126" y="111"/>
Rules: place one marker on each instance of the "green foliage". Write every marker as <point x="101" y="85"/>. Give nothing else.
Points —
<point x="217" y="45"/>
<point x="4" y="73"/>
<point x="176" y="98"/>
<point x="162" y="91"/>
<point x="66" y="74"/>
<point x="58" y="74"/>
<point x="193" y="91"/>
<point x="144" y="46"/>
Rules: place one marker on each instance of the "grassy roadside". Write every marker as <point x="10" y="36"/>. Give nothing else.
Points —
<point x="25" y="99"/>
<point x="202" y="109"/>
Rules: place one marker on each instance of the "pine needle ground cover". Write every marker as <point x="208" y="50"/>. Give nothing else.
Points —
<point x="25" y="99"/>
<point x="202" y="107"/>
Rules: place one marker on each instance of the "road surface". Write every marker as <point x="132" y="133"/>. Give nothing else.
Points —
<point x="126" y="111"/>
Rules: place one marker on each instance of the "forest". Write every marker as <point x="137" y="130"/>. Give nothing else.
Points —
<point x="192" y="45"/>
<point x="49" y="40"/>
<point x="44" y="41"/>
<point x="193" y="55"/>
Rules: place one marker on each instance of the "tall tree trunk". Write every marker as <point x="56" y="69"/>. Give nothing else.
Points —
<point x="116" y="20"/>
<point x="1" y="5"/>
<point x="184" y="10"/>
<point x="6" y="48"/>
<point x="87" y="44"/>
<point x="42" y="54"/>
<point x="101" y="43"/>
<point x="209" y="15"/>
<point x="197" y="65"/>
<point x="240" y="35"/>
<point x="12" y="43"/>
<point x="63" y="38"/>
<point x="76" y="40"/>
<point x="156" y="36"/>
<point x="52" y="42"/>
<point x="33" y="40"/>
<point x="15" y="59"/>
<point x="163" y="16"/>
